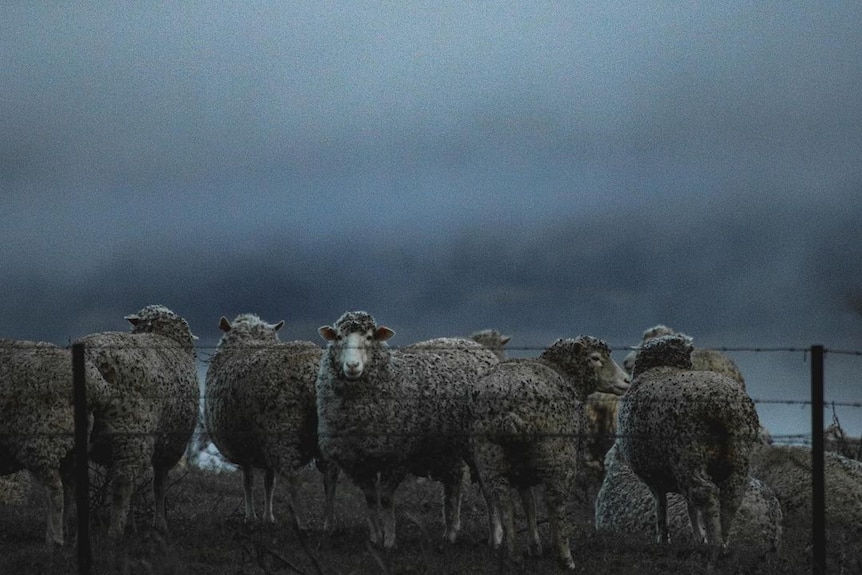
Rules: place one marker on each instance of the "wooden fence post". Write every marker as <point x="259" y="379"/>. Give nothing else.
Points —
<point x="818" y="484"/>
<point x="82" y="478"/>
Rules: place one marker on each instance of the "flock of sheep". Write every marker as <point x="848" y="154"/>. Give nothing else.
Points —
<point x="686" y="456"/>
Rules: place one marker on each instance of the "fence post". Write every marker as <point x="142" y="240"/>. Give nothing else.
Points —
<point x="818" y="485"/>
<point x="82" y="478"/>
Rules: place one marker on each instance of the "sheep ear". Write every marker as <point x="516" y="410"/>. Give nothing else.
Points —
<point x="224" y="324"/>
<point x="505" y="339"/>
<point x="383" y="333"/>
<point x="133" y="319"/>
<point x="327" y="332"/>
<point x="278" y="326"/>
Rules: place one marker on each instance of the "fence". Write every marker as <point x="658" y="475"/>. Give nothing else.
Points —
<point x="815" y="354"/>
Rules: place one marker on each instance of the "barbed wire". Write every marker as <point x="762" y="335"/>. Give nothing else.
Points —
<point x="47" y="346"/>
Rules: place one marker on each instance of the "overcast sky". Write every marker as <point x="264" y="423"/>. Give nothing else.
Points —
<point x="547" y="169"/>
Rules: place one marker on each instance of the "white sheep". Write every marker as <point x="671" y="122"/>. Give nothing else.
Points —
<point x="37" y="421"/>
<point x="625" y="505"/>
<point x="260" y="409"/>
<point x="528" y="423"/>
<point x="152" y="408"/>
<point x="689" y="432"/>
<point x="387" y="413"/>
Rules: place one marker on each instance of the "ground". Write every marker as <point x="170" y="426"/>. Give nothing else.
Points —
<point x="208" y="536"/>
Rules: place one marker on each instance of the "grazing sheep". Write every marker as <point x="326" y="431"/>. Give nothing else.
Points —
<point x="493" y="340"/>
<point x="37" y="421"/>
<point x="389" y="413"/>
<point x="152" y="409"/>
<point x="625" y="505"/>
<point x="528" y="423"/>
<point x="260" y="409"/>
<point x="787" y="470"/>
<point x="689" y="432"/>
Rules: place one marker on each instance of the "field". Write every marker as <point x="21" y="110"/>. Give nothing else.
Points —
<point x="208" y="536"/>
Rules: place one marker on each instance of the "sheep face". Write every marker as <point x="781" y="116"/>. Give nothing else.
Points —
<point x="352" y="342"/>
<point x="589" y="360"/>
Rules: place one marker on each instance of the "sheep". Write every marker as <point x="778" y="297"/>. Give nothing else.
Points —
<point x="392" y="412"/>
<point x="787" y="471"/>
<point x="37" y="421"/>
<point x="152" y="409"/>
<point x="624" y="505"/>
<point x="602" y="407"/>
<point x="689" y="432"/>
<point x="260" y="409"/>
<point x="528" y="421"/>
<point x="493" y="340"/>
<point x="701" y="359"/>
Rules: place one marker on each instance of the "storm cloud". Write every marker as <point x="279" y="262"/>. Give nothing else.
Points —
<point x="546" y="170"/>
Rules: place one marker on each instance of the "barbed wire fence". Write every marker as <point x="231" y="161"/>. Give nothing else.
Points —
<point x="820" y="437"/>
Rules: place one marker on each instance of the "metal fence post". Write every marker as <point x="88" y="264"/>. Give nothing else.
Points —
<point x="818" y="485"/>
<point x="82" y="478"/>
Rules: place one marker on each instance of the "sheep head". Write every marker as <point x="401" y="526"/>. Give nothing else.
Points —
<point x="587" y="361"/>
<point x="248" y="327"/>
<point x="493" y="340"/>
<point x="353" y="341"/>
<point x="160" y="320"/>
<point x="664" y="351"/>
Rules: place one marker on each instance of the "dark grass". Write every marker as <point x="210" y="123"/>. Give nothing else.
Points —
<point x="208" y="536"/>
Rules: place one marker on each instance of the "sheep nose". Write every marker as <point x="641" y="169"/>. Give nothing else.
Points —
<point x="352" y="369"/>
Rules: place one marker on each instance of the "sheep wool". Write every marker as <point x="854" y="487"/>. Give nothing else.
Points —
<point x="528" y="421"/>
<point x="152" y="407"/>
<point x="388" y="412"/>
<point x="37" y="421"/>
<point x="260" y="410"/>
<point x="688" y="432"/>
<point x="625" y="505"/>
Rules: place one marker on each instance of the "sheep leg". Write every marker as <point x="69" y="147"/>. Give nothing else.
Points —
<point x="452" y="488"/>
<point x="502" y="496"/>
<point x="269" y="490"/>
<point x="528" y="500"/>
<point x="556" y="502"/>
<point x="704" y="496"/>
<point x="495" y="525"/>
<point x="662" y="535"/>
<point x="50" y="478"/>
<point x="69" y="504"/>
<point x="122" y="485"/>
<point x="248" y="492"/>
<point x="330" y="481"/>
<point x="389" y="482"/>
<point x="485" y="453"/>
<point x="730" y="497"/>
<point x="160" y="483"/>
<point x="368" y="486"/>
<point x="696" y="519"/>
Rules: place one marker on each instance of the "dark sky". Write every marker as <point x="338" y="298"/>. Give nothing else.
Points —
<point x="546" y="170"/>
